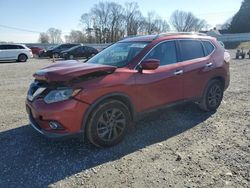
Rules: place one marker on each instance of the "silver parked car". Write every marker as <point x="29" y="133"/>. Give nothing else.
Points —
<point x="16" y="52"/>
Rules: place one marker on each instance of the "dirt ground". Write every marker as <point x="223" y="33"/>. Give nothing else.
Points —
<point x="177" y="147"/>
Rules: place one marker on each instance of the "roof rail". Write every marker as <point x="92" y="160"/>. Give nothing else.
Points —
<point x="130" y="36"/>
<point x="178" y="33"/>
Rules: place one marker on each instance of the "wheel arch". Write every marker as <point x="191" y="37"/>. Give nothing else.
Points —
<point x="22" y="54"/>
<point x="27" y="57"/>
<point x="220" y="78"/>
<point x="216" y="77"/>
<point x="122" y="97"/>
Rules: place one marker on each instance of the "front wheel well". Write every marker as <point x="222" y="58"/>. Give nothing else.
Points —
<point x="118" y="97"/>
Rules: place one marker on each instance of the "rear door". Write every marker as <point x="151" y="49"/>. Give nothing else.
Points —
<point x="79" y="51"/>
<point x="163" y="85"/>
<point x="14" y="51"/>
<point x="197" y="64"/>
<point x="8" y="52"/>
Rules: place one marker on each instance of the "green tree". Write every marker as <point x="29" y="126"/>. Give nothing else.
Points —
<point x="241" y="20"/>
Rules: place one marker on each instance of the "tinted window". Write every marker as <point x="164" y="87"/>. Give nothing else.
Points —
<point x="12" y="47"/>
<point x="165" y="52"/>
<point x="191" y="49"/>
<point x="89" y="49"/>
<point x="80" y="49"/>
<point x="209" y="47"/>
<point x="8" y="47"/>
<point x="69" y="45"/>
<point x="20" y="47"/>
<point x="3" y="47"/>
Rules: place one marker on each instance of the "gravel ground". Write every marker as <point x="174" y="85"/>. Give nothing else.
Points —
<point x="177" y="147"/>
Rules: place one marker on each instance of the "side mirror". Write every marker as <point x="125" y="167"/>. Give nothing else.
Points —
<point x="149" y="64"/>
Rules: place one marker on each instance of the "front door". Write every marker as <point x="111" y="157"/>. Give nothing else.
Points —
<point x="163" y="85"/>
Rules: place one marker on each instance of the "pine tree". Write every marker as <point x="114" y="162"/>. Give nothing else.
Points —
<point x="241" y="21"/>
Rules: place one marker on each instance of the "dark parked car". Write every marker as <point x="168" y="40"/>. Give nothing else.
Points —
<point x="100" y="98"/>
<point x="79" y="52"/>
<point x="57" y="50"/>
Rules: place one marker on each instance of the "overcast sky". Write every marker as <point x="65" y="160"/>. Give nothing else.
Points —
<point x="40" y="15"/>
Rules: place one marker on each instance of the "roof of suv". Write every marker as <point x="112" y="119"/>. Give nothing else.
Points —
<point x="150" y="38"/>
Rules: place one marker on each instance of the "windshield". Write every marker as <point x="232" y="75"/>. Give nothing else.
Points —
<point x="119" y="54"/>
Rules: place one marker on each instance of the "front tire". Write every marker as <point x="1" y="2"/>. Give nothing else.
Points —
<point x="108" y="123"/>
<point x="22" y="58"/>
<point x="212" y="96"/>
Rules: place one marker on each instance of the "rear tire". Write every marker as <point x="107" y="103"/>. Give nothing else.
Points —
<point x="108" y="123"/>
<point x="22" y="58"/>
<point x="212" y="96"/>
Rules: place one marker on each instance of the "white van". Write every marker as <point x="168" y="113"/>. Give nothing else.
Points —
<point x="16" y="52"/>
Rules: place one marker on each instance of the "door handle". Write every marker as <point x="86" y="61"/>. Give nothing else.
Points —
<point x="209" y="64"/>
<point x="178" y="72"/>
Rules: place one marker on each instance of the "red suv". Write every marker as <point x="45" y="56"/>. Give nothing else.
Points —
<point x="100" y="98"/>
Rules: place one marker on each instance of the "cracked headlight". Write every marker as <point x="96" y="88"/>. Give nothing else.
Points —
<point x="60" y="95"/>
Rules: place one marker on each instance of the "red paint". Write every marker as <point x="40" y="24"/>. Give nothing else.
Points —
<point x="150" y="64"/>
<point x="146" y="90"/>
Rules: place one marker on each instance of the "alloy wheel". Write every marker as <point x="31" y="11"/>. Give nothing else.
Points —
<point x="111" y="124"/>
<point x="214" y="95"/>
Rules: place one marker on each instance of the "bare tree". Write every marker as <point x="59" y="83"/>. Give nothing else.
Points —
<point x="87" y="21"/>
<point x="43" y="38"/>
<point x="186" y="22"/>
<point x="75" y="36"/>
<point x="109" y="21"/>
<point x="117" y="21"/>
<point x="54" y="35"/>
<point x="133" y="17"/>
<point x="100" y="13"/>
<point x="155" y="24"/>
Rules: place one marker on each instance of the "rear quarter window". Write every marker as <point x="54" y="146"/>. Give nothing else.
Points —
<point x="209" y="48"/>
<point x="20" y="47"/>
<point x="191" y="49"/>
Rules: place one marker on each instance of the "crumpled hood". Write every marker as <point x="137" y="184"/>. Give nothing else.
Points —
<point x="68" y="70"/>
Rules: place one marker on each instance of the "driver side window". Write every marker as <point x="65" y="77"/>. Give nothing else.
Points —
<point x="165" y="52"/>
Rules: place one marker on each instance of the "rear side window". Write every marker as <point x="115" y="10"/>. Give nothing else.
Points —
<point x="165" y="52"/>
<point x="3" y="47"/>
<point x="12" y="47"/>
<point x="69" y="45"/>
<point x="208" y="46"/>
<point x="80" y="49"/>
<point x="191" y="49"/>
